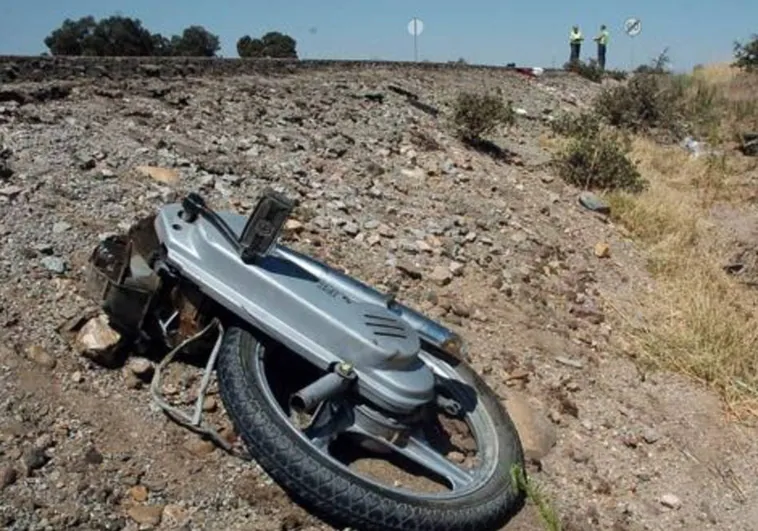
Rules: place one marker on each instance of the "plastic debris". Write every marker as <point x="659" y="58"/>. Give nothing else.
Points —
<point x="592" y="202"/>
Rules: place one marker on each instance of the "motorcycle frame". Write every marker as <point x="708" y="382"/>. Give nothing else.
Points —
<point x="329" y="318"/>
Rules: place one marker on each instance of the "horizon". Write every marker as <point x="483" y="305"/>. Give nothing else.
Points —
<point x="537" y="34"/>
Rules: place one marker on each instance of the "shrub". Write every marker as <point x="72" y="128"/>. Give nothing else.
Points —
<point x="618" y="75"/>
<point x="647" y="101"/>
<point x="600" y="162"/>
<point x="589" y="70"/>
<point x="477" y="115"/>
<point x="596" y="157"/>
<point x="585" y="124"/>
<point x="658" y="65"/>
<point x="746" y="55"/>
<point x="424" y="141"/>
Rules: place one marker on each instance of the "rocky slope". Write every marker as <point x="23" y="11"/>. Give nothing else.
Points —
<point x="499" y="250"/>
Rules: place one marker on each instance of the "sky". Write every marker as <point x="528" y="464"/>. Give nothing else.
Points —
<point x="497" y="32"/>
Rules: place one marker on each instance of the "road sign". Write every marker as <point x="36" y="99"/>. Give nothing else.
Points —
<point x="415" y="27"/>
<point x="632" y="26"/>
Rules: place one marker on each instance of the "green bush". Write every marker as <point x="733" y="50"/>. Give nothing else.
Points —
<point x="599" y="162"/>
<point x="647" y="101"/>
<point x="618" y="75"/>
<point x="477" y="115"/>
<point x="590" y="70"/>
<point x="573" y="125"/>
<point x="596" y="156"/>
<point x="670" y="106"/>
<point x="658" y="65"/>
<point x="746" y="55"/>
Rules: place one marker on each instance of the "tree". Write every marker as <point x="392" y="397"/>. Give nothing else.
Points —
<point x="273" y="44"/>
<point x="746" y="55"/>
<point x="71" y="37"/>
<point x="124" y="36"/>
<point x="195" y="41"/>
<point x="119" y="36"/>
<point x="161" y="45"/>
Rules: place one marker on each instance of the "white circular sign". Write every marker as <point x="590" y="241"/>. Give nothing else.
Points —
<point x="415" y="27"/>
<point x="632" y="26"/>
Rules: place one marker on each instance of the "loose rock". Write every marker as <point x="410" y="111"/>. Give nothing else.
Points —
<point x="441" y="276"/>
<point x="8" y="476"/>
<point x="54" y="264"/>
<point x="671" y="501"/>
<point x="141" y="367"/>
<point x="162" y="175"/>
<point x="98" y="341"/>
<point x="410" y="269"/>
<point x="40" y="356"/>
<point x="537" y="434"/>
<point x="146" y="514"/>
<point x="138" y="493"/>
<point x="602" y="250"/>
<point x="35" y="458"/>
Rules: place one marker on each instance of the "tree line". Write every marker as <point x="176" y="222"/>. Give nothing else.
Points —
<point x="125" y="36"/>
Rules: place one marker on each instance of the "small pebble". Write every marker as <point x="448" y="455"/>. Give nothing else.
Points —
<point x="670" y="501"/>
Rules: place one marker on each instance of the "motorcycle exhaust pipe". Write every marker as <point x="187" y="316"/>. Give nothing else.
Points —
<point x="327" y="387"/>
<point x="429" y="330"/>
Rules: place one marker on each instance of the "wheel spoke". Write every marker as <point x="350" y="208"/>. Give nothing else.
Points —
<point x="329" y="420"/>
<point x="418" y="449"/>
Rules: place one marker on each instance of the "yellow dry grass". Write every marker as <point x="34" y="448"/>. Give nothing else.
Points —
<point x="700" y="321"/>
<point x="730" y="95"/>
<point x="717" y="73"/>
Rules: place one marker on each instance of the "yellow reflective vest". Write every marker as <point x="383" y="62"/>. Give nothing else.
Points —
<point x="603" y="37"/>
<point x="575" y="36"/>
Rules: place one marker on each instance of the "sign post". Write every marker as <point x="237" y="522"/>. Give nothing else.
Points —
<point x="632" y="27"/>
<point x="415" y="27"/>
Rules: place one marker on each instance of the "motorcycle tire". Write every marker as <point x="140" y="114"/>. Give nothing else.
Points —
<point x="335" y="494"/>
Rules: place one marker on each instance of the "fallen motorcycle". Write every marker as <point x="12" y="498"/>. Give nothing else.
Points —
<point x="317" y="370"/>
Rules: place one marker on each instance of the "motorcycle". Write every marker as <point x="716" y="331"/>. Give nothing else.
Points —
<point x="316" y="369"/>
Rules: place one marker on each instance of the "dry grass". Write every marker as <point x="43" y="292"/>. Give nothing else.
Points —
<point x="729" y="94"/>
<point x="700" y="322"/>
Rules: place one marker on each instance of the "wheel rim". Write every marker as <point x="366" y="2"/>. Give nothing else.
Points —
<point x="460" y="479"/>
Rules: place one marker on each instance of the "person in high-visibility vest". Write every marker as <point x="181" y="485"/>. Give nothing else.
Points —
<point x="602" y="44"/>
<point x="575" y="40"/>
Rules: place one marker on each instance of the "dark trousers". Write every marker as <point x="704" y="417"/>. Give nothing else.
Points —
<point x="575" y="49"/>
<point x="601" y="55"/>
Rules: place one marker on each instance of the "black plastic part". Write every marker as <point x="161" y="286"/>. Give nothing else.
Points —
<point x="265" y="224"/>
<point x="192" y="206"/>
<point x="124" y="298"/>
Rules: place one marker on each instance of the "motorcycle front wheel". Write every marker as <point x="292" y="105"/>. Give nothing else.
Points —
<point x="322" y="466"/>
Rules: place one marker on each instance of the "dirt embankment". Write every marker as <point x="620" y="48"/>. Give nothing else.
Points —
<point x="498" y="249"/>
<point x="24" y="68"/>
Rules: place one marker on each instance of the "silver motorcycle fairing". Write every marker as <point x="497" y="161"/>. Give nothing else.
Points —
<point x="321" y="314"/>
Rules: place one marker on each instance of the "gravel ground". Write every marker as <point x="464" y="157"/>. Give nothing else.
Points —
<point x="500" y="251"/>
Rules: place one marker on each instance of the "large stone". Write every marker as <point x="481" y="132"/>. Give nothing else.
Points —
<point x="162" y="175"/>
<point x="8" y="476"/>
<point x="98" y="341"/>
<point x="149" y="515"/>
<point x="441" y="276"/>
<point x="537" y="433"/>
<point x="40" y="356"/>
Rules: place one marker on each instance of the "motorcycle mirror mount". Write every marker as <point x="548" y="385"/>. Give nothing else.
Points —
<point x="264" y="225"/>
<point x="261" y="230"/>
